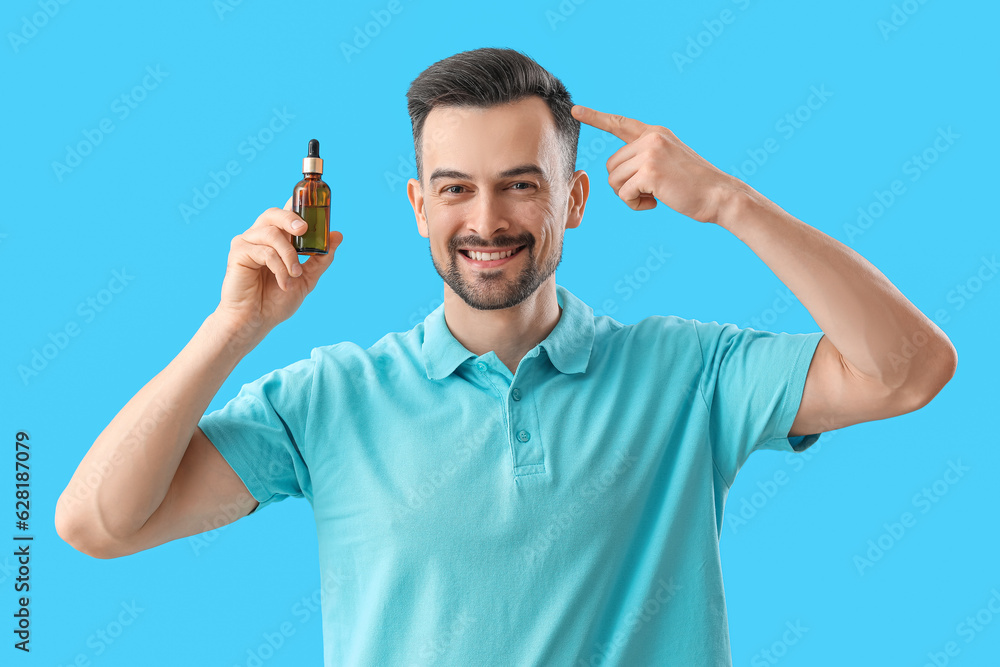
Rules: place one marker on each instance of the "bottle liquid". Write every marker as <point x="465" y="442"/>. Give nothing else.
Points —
<point x="311" y="201"/>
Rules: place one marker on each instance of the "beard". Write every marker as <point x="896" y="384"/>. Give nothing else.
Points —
<point x="495" y="289"/>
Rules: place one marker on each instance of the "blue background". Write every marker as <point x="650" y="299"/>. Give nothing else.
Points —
<point x="225" y="69"/>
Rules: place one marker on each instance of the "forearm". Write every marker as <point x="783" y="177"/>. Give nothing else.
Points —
<point x="126" y="473"/>
<point x="867" y="319"/>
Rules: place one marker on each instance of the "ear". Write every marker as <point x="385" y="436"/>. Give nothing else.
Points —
<point x="579" y="190"/>
<point x="416" y="194"/>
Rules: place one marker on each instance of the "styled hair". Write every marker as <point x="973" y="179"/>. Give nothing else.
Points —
<point x="489" y="77"/>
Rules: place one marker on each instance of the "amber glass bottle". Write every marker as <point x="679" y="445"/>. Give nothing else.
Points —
<point x="311" y="201"/>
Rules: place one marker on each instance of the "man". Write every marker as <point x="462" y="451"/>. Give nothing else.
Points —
<point x="514" y="480"/>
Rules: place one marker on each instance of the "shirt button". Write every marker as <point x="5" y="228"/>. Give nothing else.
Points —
<point x="516" y="394"/>
<point x="523" y="436"/>
<point x="481" y="366"/>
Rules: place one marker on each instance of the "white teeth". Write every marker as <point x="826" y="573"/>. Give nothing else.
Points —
<point x="483" y="256"/>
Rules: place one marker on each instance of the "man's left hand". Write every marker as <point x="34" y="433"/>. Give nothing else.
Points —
<point x="654" y="164"/>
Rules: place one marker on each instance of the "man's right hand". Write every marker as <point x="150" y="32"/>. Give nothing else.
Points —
<point x="265" y="283"/>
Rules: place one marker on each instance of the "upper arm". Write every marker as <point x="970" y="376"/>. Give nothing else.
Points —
<point x="836" y="395"/>
<point x="204" y="494"/>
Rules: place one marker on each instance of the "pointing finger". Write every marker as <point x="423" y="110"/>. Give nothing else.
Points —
<point x="626" y="129"/>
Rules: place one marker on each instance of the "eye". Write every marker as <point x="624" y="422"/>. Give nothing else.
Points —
<point x="451" y="189"/>
<point x="527" y="185"/>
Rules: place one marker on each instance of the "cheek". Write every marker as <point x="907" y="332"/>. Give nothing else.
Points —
<point x="534" y="211"/>
<point x="549" y="222"/>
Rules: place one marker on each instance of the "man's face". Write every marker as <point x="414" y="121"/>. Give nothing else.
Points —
<point x="494" y="180"/>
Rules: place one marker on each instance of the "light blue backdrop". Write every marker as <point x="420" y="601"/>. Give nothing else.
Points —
<point x="119" y="115"/>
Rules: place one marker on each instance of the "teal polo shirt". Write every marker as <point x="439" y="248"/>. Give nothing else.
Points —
<point x="567" y="514"/>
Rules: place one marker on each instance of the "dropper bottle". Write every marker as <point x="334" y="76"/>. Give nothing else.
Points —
<point x="311" y="201"/>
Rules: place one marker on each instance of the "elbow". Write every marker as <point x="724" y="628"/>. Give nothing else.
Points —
<point x="939" y="374"/>
<point x="75" y="532"/>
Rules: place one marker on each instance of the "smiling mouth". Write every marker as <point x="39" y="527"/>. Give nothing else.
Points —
<point x="487" y="257"/>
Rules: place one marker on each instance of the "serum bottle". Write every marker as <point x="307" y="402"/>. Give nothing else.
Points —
<point x="311" y="201"/>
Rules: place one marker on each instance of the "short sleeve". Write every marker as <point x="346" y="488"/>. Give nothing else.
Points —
<point x="752" y="385"/>
<point x="261" y="431"/>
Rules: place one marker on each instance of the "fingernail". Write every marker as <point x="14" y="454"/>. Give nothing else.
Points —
<point x="297" y="270"/>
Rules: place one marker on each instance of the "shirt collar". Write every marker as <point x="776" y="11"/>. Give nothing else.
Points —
<point x="568" y="345"/>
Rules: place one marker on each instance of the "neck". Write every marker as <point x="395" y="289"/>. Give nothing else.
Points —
<point x="509" y="332"/>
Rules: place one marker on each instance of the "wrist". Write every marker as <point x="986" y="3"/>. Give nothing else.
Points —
<point x="735" y="203"/>
<point x="234" y="335"/>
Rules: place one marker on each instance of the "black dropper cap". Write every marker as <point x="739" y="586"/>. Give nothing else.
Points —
<point x="312" y="164"/>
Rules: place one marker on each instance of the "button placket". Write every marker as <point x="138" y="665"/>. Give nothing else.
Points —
<point x="525" y="442"/>
<point x="520" y="416"/>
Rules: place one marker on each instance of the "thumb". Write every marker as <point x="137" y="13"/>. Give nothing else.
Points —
<point x="316" y="265"/>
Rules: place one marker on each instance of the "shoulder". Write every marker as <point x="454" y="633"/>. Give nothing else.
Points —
<point x="658" y="347"/>
<point x="388" y="354"/>
<point x="660" y="331"/>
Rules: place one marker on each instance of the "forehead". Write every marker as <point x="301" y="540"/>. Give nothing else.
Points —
<point x="475" y="139"/>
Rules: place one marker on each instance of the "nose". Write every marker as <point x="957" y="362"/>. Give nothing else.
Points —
<point x="487" y="215"/>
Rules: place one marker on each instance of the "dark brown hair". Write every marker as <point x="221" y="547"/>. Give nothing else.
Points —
<point x="486" y="78"/>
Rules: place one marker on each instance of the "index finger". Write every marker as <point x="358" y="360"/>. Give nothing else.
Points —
<point x="626" y="129"/>
<point x="288" y="204"/>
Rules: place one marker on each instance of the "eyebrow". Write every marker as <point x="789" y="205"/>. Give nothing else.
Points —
<point x="520" y="170"/>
